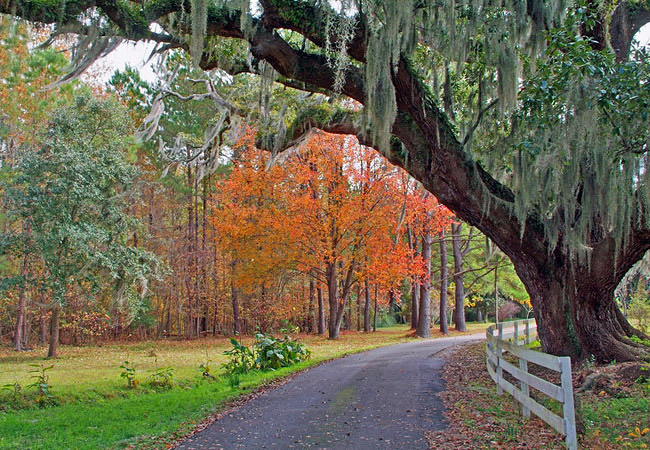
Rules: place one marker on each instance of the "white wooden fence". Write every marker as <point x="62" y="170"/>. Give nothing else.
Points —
<point x="511" y="337"/>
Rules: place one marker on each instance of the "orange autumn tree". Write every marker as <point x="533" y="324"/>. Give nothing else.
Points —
<point x="325" y="212"/>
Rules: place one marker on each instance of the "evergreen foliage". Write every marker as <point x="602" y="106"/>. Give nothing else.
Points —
<point x="72" y="197"/>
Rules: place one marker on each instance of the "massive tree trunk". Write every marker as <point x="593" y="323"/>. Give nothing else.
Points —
<point x="574" y="303"/>
<point x="444" y="282"/>
<point x="424" y="323"/>
<point x="459" y="291"/>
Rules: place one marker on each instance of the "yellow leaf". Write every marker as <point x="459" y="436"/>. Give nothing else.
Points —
<point x="597" y="433"/>
<point x="645" y="431"/>
<point x="632" y="434"/>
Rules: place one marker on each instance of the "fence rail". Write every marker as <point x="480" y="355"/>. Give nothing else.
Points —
<point x="510" y="338"/>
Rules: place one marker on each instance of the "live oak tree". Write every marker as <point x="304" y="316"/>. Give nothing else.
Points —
<point x="73" y="193"/>
<point x="562" y="190"/>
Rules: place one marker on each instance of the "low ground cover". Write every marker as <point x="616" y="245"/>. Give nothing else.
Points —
<point x="89" y="404"/>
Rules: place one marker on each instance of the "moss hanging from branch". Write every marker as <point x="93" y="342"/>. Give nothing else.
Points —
<point x="199" y="14"/>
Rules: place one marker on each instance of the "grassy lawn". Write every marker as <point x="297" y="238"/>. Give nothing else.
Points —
<point x="94" y="409"/>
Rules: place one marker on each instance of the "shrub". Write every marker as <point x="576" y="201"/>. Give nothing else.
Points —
<point x="273" y="353"/>
<point x="268" y="353"/>
<point x="241" y="358"/>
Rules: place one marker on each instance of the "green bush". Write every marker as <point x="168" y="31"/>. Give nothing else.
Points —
<point x="273" y="353"/>
<point x="241" y="358"/>
<point x="268" y="353"/>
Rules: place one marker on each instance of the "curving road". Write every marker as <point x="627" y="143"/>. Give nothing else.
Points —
<point x="381" y="399"/>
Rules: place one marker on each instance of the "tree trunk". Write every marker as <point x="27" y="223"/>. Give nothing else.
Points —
<point x="366" y="307"/>
<point x="235" y="308"/>
<point x="54" y="331"/>
<point x="19" y="335"/>
<point x="459" y="292"/>
<point x="444" y="282"/>
<point x="321" y="310"/>
<point x="332" y="299"/>
<point x="337" y="303"/>
<point x="359" y="307"/>
<point x="415" y="285"/>
<point x="20" y="319"/>
<point x="312" y="301"/>
<point x="424" y="323"/>
<point x="415" y="303"/>
<point x="374" y="319"/>
<point x="42" y="336"/>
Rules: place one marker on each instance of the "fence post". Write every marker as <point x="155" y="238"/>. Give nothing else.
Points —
<point x="527" y="331"/>
<point x="569" y="409"/>
<point x="525" y="389"/>
<point x="499" y="356"/>
<point x="516" y="332"/>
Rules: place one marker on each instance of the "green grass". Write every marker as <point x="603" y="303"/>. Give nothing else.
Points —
<point x="614" y="421"/>
<point x="96" y="410"/>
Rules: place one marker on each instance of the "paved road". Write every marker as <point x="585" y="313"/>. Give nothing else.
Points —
<point x="381" y="399"/>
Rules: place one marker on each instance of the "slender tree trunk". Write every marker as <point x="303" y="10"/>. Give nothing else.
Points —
<point x="332" y="297"/>
<point x="54" y="331"/>
<point x="42" y="336"/>
<point x="312" y="301"/>
<point x="321" y="310"/>
<point x="415" y="285"/>
<point x="19" y="336"/>
<point x="374" y="319"/>
<point x="415" y="303"/>
<point x="424" y="323"/>
<point x="359" y="307"/>
<point x="459" y="294"/>
<point x="337" y="302"/>
<point x="366" y="307"/>
<point x="444" y="282"/>
<point x="392" y="306"/>
<point x="234" y="294"/>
